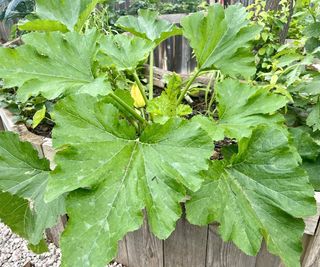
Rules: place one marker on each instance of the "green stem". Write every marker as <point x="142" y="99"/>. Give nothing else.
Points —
<point x="213" y="93"/>
<point x="185" y="90"/>
<point x="208" y="88"/>
<point x="128" y="108"/>
<point x="151" y="75"/>
<point x="141" y="88"/>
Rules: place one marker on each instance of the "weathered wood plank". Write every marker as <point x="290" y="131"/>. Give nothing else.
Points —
<point x="266" y="259"/>
<point x="1" y="125"/>
<point x="142" y="249"/>
<point x="312" y="253"/>
<point x="160" y="73"/>
<point x="223" y="254"/>
<point x="54" y="233"/>
<point x="49" y="151"/>
<point x="7" y="120"/>
<point x="312" y="222"/>
<point x="312" y="256"/>
<point x="186" y="246"/>
<point x="123" y="257"/>
<point x="173" y="18"/>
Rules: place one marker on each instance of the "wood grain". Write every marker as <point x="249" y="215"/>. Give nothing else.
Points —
<point x="1" y="125"/>
<point x="123" y="257"/>
<point x="312" y="222"/>
<point x="312" y="254"/>
<point x="142" y="249"/>
<point x="160" y="73"/>
<point x="186" y="246"/>
<point x="225" y="254"/>
<point x="266" y="259"/>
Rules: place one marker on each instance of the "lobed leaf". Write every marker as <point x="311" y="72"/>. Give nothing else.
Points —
<point x="60" y="15"/>
<point x="260" y="192"/>
<point x="241" y="107"/>
<point x="124" y="52"/>
<point x="221" y="39"/>
<point x="116" y="173"/>
<point x="52" y="64"/>
<point x="148" y="26"/>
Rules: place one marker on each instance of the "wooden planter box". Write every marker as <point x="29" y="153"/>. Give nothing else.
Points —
<point x="189" y="245"/>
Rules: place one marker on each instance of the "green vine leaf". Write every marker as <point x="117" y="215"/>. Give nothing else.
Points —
<point x="124" y="52"/>
<point x="118" y="174"/>
<point x="60" y="15"/>
<point x="259" y="192"/>
<point x="166" y="106"/>
<point x="24" y="177"/>
<point x="241" y="107"/>
<point x="52" y="64"/>
<point x="148" y="26"/>
<point x="221" y="39"/>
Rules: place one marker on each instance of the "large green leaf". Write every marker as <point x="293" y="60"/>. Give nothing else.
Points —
<point x="124" y="52"/>
<point x="119" y="174"/>
<point x="148" y="26"/>
<point x="259" y="192"/>
<point x="60" y="15"/>
<point x="241" y="107"/>
<point x="220" y="39"/>
<point x="52" y="64"/>
<point x="25" y="176"/>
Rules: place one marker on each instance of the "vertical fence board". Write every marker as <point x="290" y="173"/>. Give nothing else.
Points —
<point x="142" y="249"/>
<point x="123" y="257"/>
<point x="186" y="246"/>
<point x="1" y="125"/>
<point x="312" y="254"/>
<point x="265" y="259"/>
<point x="222" y="254"/>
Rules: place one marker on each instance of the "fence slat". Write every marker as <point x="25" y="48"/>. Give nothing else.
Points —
<point x="222" y="254"/>
<point x="312" y="254"/>
<point x="186" y="246"/>
<point x="265" y="259"/>
<point x="142" y="248"/>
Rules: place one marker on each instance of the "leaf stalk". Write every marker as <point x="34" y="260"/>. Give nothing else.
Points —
<point x="151" y="75"/>
<point x="185" y="90"/>
<point x="128" y="108"/>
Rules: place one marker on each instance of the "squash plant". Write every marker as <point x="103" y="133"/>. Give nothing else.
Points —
<point x="122" y="149"/>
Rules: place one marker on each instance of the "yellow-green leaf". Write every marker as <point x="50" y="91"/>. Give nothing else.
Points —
<point x="39" y="116"/>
